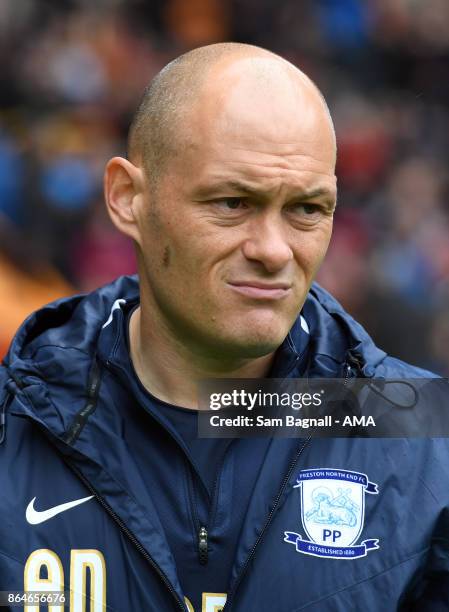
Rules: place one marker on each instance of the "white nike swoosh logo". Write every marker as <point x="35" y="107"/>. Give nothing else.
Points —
<point x="34" y="517"/>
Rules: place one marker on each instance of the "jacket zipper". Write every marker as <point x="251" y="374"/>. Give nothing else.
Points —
<point x="252" y="552"/>
<point x="348" y="371"/>
<point x="202" y="546"/>
<point x="130" y="535"/>
<point x="201" y="531"/>
<point x="352" y="365"/>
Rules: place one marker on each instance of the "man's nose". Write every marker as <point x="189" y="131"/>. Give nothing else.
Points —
<point x="268" y="245"/>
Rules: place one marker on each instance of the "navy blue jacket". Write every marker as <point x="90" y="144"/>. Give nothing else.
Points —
<point x="355" y="524"/>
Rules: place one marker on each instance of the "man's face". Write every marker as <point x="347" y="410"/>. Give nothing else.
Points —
<point x="241" y="221"/>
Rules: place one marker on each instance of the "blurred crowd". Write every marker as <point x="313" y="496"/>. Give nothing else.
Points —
<point x="73" y="72"/>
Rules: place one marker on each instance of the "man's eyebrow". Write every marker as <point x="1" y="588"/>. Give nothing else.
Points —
<point x="249" y="189"/>
<point x="315" y="193"/>
<point x="234" y="185"/>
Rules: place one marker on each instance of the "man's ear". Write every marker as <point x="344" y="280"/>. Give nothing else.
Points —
<point x="125" y="192"/>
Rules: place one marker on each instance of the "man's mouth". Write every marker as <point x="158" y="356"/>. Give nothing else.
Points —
<point x="261" y="290"/>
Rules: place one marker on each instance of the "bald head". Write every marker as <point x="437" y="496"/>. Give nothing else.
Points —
<point x="162" y="126"/>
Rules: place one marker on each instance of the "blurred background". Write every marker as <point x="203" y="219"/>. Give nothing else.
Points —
<point x="73" y="72"/>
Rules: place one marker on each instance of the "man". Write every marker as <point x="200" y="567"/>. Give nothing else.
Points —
<point x="228" y="194"/>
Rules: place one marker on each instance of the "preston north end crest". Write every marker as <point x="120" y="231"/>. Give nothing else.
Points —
<point x="332" y="514"/>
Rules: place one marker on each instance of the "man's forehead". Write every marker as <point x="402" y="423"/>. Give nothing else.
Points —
<point x="258" y="142"/>
<point x="261" y="109"/>
<point x="225" y="168"/>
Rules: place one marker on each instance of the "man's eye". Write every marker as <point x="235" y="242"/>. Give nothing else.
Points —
<point x="230" y="204"/>
<point x="306" y="210"/>
<point x="311" y="209"/>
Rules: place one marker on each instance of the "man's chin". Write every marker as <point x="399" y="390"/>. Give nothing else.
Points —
<point x="252" y="346"/>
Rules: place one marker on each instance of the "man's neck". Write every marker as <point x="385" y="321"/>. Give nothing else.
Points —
<point x="171" y="372"/>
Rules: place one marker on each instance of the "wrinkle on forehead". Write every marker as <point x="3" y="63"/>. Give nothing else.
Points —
<point x="305" y="183"/>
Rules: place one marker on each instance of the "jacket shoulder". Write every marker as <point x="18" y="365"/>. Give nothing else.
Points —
<point x="393" y="367"/>
<point x="337" y="323"/>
